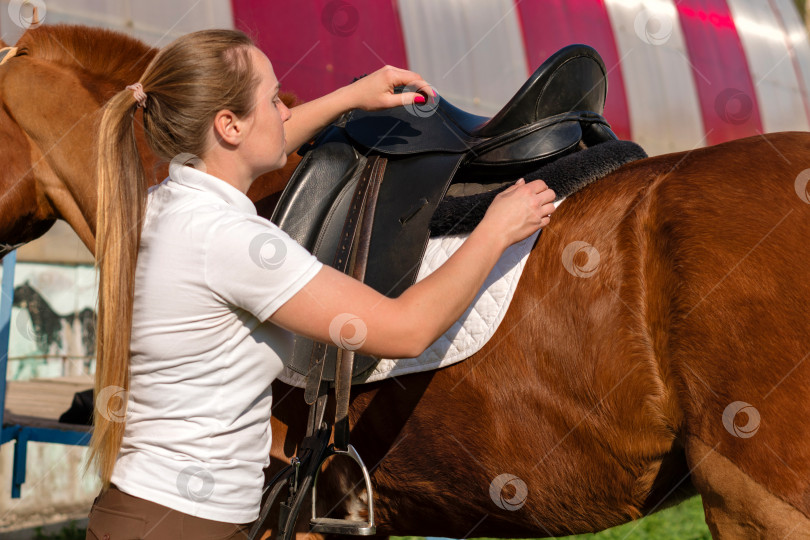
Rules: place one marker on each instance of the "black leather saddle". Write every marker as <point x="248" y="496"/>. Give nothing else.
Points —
<point x="560" y="105"/>
<point x="416" y="152"/>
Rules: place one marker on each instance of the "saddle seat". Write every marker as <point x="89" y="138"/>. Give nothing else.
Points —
<point x="415" y="153"/>
<point x="558" y="106"/>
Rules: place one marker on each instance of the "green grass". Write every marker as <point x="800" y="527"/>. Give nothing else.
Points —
<point x="682" y="522"/>
<point x="71" y="532"/>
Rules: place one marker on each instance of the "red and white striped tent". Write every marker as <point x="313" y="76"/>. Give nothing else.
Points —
<point x="682" y="73"/>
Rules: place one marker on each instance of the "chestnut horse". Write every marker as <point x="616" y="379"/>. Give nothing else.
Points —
<point x="665" y="358"/>
<point x="52" y="93"/>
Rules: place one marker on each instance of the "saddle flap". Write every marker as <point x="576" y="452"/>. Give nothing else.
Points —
<point x="319" y="178"/>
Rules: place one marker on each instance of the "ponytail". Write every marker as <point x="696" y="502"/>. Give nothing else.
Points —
<point x="122" y="189"/>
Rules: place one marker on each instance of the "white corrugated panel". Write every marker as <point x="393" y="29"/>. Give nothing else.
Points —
<point x="155" y="21"/>
<point x="775" y="81"/>
<point x="798" y="41"/>
<point x="471" y="51"/>
<point x="159" y="21"/>
<point x="664" y="107"/>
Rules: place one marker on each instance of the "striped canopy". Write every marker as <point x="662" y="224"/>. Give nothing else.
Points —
<point x="682" y="74"/>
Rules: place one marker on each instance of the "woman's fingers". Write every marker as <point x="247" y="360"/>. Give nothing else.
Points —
<point x="418" y="92"/>
<point x="376" y="91"/>
<point x="538" y="185"/>
<point x="547" y="209"/>
<point x="408" y="98"/>
<point x="510" y="189"/>
<point x="410" y="79"/>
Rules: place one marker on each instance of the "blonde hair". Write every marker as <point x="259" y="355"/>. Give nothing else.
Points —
<point x="186" y="84"/>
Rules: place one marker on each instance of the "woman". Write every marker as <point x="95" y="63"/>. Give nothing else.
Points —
<point x="198" y="295"/>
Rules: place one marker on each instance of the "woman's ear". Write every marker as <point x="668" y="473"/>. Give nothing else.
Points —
<point x="228" y="127"/>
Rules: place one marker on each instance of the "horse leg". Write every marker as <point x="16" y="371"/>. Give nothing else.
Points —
<point x="736" y="505"/>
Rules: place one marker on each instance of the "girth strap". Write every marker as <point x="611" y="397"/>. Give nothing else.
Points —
<point x="345" y="360"/>
<point x="357" y="224"/>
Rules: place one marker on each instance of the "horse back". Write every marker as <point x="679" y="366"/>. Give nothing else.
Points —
<point x="654" y="299"/>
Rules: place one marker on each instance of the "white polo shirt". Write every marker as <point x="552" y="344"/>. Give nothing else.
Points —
<point x="209" y="271"/>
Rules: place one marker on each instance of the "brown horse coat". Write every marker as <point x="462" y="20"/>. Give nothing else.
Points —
<point x="604" y="397"/>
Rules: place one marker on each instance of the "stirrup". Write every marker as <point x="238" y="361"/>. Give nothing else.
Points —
<point x="343" y="526"/>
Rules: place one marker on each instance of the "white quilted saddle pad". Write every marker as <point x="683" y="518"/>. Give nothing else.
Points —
<point x="473" y="329"/>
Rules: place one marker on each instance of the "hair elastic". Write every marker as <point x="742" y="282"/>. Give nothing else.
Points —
<point x="140" y="95"/>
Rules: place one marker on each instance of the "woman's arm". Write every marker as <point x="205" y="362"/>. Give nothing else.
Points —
<point x="403" y="327"/>
<point x="373" y="92"/>
<point x="400" y="327"/>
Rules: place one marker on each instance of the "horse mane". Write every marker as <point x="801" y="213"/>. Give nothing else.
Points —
<point x="111" y="55"/>
<point x="97" y="51"/>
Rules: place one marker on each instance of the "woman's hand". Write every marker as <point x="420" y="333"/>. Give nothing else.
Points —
<point x="519" y="210"/>
<point x="372" y="92"/>
<point x="376" y="91"/>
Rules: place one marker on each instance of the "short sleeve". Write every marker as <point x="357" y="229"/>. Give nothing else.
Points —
<point x="253" y="264"/>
